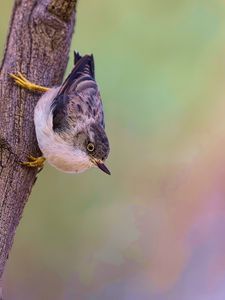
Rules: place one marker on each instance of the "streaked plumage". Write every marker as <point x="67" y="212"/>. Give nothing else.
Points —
<point x="70" y="117"/>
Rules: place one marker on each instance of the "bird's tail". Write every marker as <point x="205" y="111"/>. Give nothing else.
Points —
<point x="83" y="69"/>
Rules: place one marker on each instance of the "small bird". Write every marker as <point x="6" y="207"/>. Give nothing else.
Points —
<point x="69" y="121"/>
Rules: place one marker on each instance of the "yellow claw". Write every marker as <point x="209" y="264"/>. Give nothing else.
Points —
<point x="26" y="84"/>
<point x="35" y="162"/>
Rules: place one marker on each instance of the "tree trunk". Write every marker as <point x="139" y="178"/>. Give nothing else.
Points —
<point x="38" y="46"/>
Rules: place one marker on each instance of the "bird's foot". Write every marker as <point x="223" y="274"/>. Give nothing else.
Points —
<point x="26" y="84"/>
<point x="34" y="162"/>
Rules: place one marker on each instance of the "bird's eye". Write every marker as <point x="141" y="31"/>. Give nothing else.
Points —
<point x="90" y="147"/>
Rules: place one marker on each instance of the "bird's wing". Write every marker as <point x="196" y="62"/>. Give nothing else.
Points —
<point x="78" y="99"/>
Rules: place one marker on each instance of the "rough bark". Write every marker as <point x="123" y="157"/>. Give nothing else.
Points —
<point x="38" y="45"/>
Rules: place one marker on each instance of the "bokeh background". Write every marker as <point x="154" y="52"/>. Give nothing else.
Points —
<point x="155" y="229"/>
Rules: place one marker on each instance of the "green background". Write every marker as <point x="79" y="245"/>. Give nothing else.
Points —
<point x="155" y="228"/>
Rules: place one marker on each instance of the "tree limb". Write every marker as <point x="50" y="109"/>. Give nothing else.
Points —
<point x="38" y="45"/>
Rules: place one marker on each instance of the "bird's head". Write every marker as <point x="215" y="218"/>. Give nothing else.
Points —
<point x="93" y="142"/>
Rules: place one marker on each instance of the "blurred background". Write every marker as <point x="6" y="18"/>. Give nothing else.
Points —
<point x="155" y="229"/>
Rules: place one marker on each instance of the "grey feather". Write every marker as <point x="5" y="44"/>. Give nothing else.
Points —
<point x="78" y="100"/>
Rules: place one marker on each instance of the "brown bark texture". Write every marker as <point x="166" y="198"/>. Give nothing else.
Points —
<point x="38" y="46"/>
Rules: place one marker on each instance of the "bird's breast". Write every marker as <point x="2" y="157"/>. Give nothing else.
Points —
<point x="62" y="155"/>
<point x="74" y="162"/>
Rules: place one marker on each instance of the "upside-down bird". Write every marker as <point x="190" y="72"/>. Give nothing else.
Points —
<point x="69" y="120"/>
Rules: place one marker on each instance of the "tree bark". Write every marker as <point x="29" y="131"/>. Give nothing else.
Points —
<point x="38" y="46"/>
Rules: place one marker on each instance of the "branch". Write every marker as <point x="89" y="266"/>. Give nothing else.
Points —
<point x="38" y="46"/>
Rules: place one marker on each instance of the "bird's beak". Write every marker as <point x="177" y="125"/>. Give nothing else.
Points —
<point x="99" y="163"/>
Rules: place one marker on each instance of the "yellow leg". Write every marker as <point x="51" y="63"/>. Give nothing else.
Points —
<point x="35" y="162"/>
<point x="23" y="82"/>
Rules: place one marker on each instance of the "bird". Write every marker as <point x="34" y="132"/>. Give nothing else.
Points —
<point x="69" y="120"/>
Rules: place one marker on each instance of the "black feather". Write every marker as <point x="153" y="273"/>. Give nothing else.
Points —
<point x="78" y="97"/>
<point x="83" y="66"/>
<point x="83" y="70"/>
<point x="77" y="57"/>
<point x="58" y="107"/>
